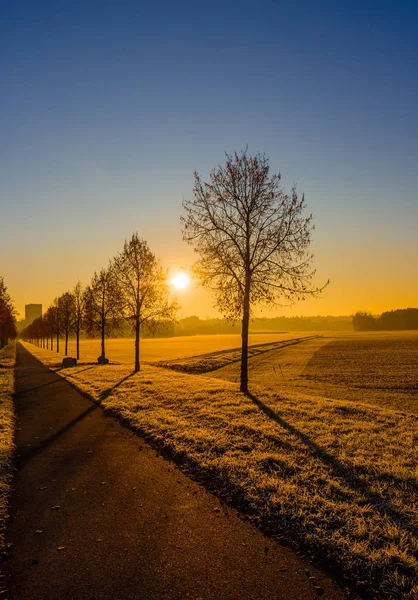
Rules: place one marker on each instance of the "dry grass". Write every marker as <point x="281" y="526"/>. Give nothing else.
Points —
<point x="121" y="350"/>
<point x="7" y="362"/>
<point x="311" y="462"/>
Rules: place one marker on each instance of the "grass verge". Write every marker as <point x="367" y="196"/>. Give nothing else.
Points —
<point x="337" y="477"/>
<point x="7" y="421"/>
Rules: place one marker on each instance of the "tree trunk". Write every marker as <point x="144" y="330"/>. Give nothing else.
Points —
<point x="244" y="336"/>
<point x="78" y="344"/>
<point x="103" y="341"/>
<point x="52" y="342"/>
<point x="58" y="342"/>
<point x="66" y="343"/>
<point x="137" y="331"/>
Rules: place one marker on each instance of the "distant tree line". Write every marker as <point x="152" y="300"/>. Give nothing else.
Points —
<point x="196" y="326"/>
<point x="132" y="290"/>
<point x="7" y="316"/>
<point x="392" y="320"/>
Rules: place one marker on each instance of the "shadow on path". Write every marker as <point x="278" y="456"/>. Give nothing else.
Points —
<point x="117" y="521"/>
<point x="34" y="451"/>
<point x="37" y="387"/>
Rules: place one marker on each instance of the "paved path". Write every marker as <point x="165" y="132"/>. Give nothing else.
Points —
<point x="129" y="524"/>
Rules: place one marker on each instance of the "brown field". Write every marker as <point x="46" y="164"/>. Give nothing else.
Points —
<point x="322" y="453"/>
<point x="374" y="368"/>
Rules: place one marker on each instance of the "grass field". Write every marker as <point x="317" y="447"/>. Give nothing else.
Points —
<point x="121" y="350"/>
<point x="324" y="451"/>
<point x="373" y="368"/>
<point x="7" y="361"/>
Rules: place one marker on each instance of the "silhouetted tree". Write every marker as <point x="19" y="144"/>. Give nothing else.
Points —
<point x="400" y="319"/>
<point x="7" y="316"/>
<point x="253" y="240"/>
<point x="78" y="315"/>
<point x="50" y="323"/>
<point x="38" y="331"/>
<point x="56" y="314"/>
<point x="67" y="314"/>
<point x="363" y="321"/>
<point x="34" y="332"/>
<point x="103" y="305"/>
<point x="144" y="286"/>
<point x="42" y="331"/>
<point x="406" y="318"/>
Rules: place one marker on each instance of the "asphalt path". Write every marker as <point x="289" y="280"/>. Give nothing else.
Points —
<point x="97" y="514"/>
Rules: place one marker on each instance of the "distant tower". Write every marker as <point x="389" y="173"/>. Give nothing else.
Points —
<point x="32" y="312"/>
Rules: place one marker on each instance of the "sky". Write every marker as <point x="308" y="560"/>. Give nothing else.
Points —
<point x="106" y="110"/>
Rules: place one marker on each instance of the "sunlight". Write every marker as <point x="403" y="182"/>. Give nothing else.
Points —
<point x="180" y="281"/>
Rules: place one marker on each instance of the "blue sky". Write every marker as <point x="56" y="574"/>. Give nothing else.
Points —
<point x="107" y="108"/>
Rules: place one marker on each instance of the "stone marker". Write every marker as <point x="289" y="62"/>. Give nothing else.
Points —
<point x="102" y="360"/>
<point x="68" y="361"/>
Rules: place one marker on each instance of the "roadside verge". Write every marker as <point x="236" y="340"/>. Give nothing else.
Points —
<point x="7" y="421"/>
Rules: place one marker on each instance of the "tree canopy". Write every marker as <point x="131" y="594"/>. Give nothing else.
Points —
<point x="143" y="283"/>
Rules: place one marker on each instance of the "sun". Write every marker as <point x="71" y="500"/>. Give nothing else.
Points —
<point x="180" y="281"/>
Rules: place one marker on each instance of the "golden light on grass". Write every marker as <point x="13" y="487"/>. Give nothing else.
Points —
<point x="180" y="281"/>
<point x="7" y="423"/>
<point x="324" y="447"/>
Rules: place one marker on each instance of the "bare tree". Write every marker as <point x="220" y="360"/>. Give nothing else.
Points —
<point x="50" y="319"/>
<point x="67" y="311"/>
<point x="56" y="322"/>
<point x="252" y="238"/>
<point x="7" y="316"/>
<point x="47" y="328"/>
<point x="78" y="315"/>
<point x="35" y="332"/>
<point x="144" y="286"/>
<point x="103" y="304"/>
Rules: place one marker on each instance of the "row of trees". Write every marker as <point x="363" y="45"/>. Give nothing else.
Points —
<point x="133" y="288"/>
<point x="401" y="319"/>
<point x="7" y="316"/>
<point x="252" y="239"/>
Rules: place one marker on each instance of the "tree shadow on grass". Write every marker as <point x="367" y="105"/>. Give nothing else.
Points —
<point x="352" y="480"/>
<point x="61" y="368"/>
<point x="86" y="369"/>
<point x="106" y="393"/>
